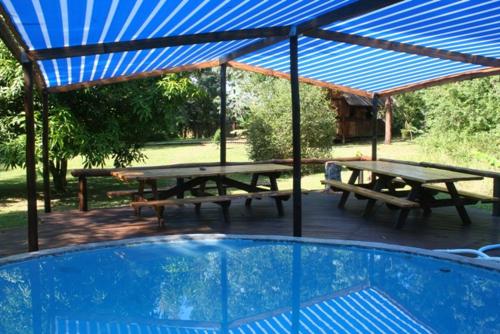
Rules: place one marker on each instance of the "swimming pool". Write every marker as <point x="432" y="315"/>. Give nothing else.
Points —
<point x="221" y="284"/>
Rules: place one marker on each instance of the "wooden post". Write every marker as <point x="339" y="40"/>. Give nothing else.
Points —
<point x="496" y="193"/>
<point x="223" y="72"/>
<point x="294" y="81"/>
<point x="374" y="126"/>
<point x="45" y="151"/>
<point x="30" y="154"/>
<point x="388" y="121"/>
<point x="82" y="193"/>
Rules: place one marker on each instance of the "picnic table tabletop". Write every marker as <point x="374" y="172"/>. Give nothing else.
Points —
<point x="184" y="172"/>
<point x="408" y="172"/>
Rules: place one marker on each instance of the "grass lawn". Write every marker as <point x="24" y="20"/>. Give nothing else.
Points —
<point x="13" y="188"/>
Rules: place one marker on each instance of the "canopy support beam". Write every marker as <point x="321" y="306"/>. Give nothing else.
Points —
<point x="30" y="154"/>
<point x="294" y="82"/>
<point x="9" y="41"/>
<point x="156" y="43"/>
<point x="155" y="73"/>
<point x="45" y="151"/>
<point x="441" y="80"/>
<point x="403" y="47"/>
<point x="343" y="13"/>
<point x="275" y="33"/>
<point x="374" y="108"/>
<point x="223" y="74"/>
<point x="278" y="74"/>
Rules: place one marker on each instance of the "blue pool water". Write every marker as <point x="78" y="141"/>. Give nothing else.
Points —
<point x="232" y="285"/>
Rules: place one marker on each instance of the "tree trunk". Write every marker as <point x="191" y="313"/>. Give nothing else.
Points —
<point x="59" y="169"/>
<point x="388" y="120"/>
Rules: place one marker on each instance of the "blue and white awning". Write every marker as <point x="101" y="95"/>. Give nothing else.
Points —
<point x="358" y="67"/>
<point x="470" y="30"/>
<point x="70" y="71"/>
<point x="364" y="311"/>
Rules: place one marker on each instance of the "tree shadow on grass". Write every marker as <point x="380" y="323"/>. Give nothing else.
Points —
<point x="14" y="187"/>
<point x="12" y="219"/>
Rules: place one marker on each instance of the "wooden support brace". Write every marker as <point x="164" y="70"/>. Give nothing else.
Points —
<point x="458" y="203"/>
<point x="277" y="199"/>
<point x="82" y="193"/>
<point x="416" y="189"/>
<point x="253" y="183"/>
<point x="345" y="193"/>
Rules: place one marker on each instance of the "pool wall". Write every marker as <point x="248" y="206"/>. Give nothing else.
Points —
<point x="483" y="263"/>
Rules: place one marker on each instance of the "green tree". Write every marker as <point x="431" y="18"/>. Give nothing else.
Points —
<point x="409" y="114"/>
<point x="463" y="120"/>
<point x="270" y="123"/>
<point x="191" y="103"/>
<point x="108" y="122"/>
<point x="11" y="109"/>
<point x="97" y="124"/>
<point x="459" y="120"/>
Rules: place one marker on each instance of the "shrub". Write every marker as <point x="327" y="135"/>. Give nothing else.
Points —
<point x="216" y="137"/>
<point x="409" y="114"/>
<point x="463" y="120"/>
<point x="270" y="121"/>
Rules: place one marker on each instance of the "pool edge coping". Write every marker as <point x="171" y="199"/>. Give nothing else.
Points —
<point x="481" y="263"/>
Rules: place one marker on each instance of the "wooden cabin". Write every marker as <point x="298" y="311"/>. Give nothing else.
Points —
<point x="354" y="119"/>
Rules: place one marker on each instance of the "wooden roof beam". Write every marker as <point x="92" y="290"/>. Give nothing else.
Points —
<point x="343" y="13"/>
<point x="9" y="41"/>
<point x="314" y="82"/>
<point x="156" y="73"/>
<point x="155" y="43"/>
<point x="403" y="47"/>
<point x="442" y="80"/>
<point x="270" y="36"/>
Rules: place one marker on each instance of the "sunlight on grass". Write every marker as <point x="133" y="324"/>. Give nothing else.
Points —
<point x="12" y="182"/>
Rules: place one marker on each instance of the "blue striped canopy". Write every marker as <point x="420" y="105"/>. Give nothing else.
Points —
<point x="357" y="67"/>
<point x="471" y="28"/>
<point x="364" y="311"/>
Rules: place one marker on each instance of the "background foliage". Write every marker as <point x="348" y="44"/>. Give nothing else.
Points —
<point x="461" y="119"/>
<point x="108" y="122"/>
<point x="269" y="120"/>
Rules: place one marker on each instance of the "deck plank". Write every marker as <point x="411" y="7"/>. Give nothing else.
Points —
<point x="322" y="219"/>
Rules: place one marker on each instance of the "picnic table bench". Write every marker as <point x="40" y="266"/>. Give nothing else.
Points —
<point x="223" y="200"/>
<point x="365" y="192"/>
<point x="386" y="187"/>
<point x="194" y="180"/>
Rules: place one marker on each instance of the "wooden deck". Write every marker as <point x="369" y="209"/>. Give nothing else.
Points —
<point x="322" y="219"/>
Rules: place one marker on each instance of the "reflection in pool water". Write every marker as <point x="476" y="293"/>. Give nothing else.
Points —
<point x="246" y="286"/>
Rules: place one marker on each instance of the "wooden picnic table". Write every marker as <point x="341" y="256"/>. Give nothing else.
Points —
<point x="409" y="172"/>
<point x="194" y="180"/>
<point x="388" y="181"/>
<point x="208" y="171"/>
